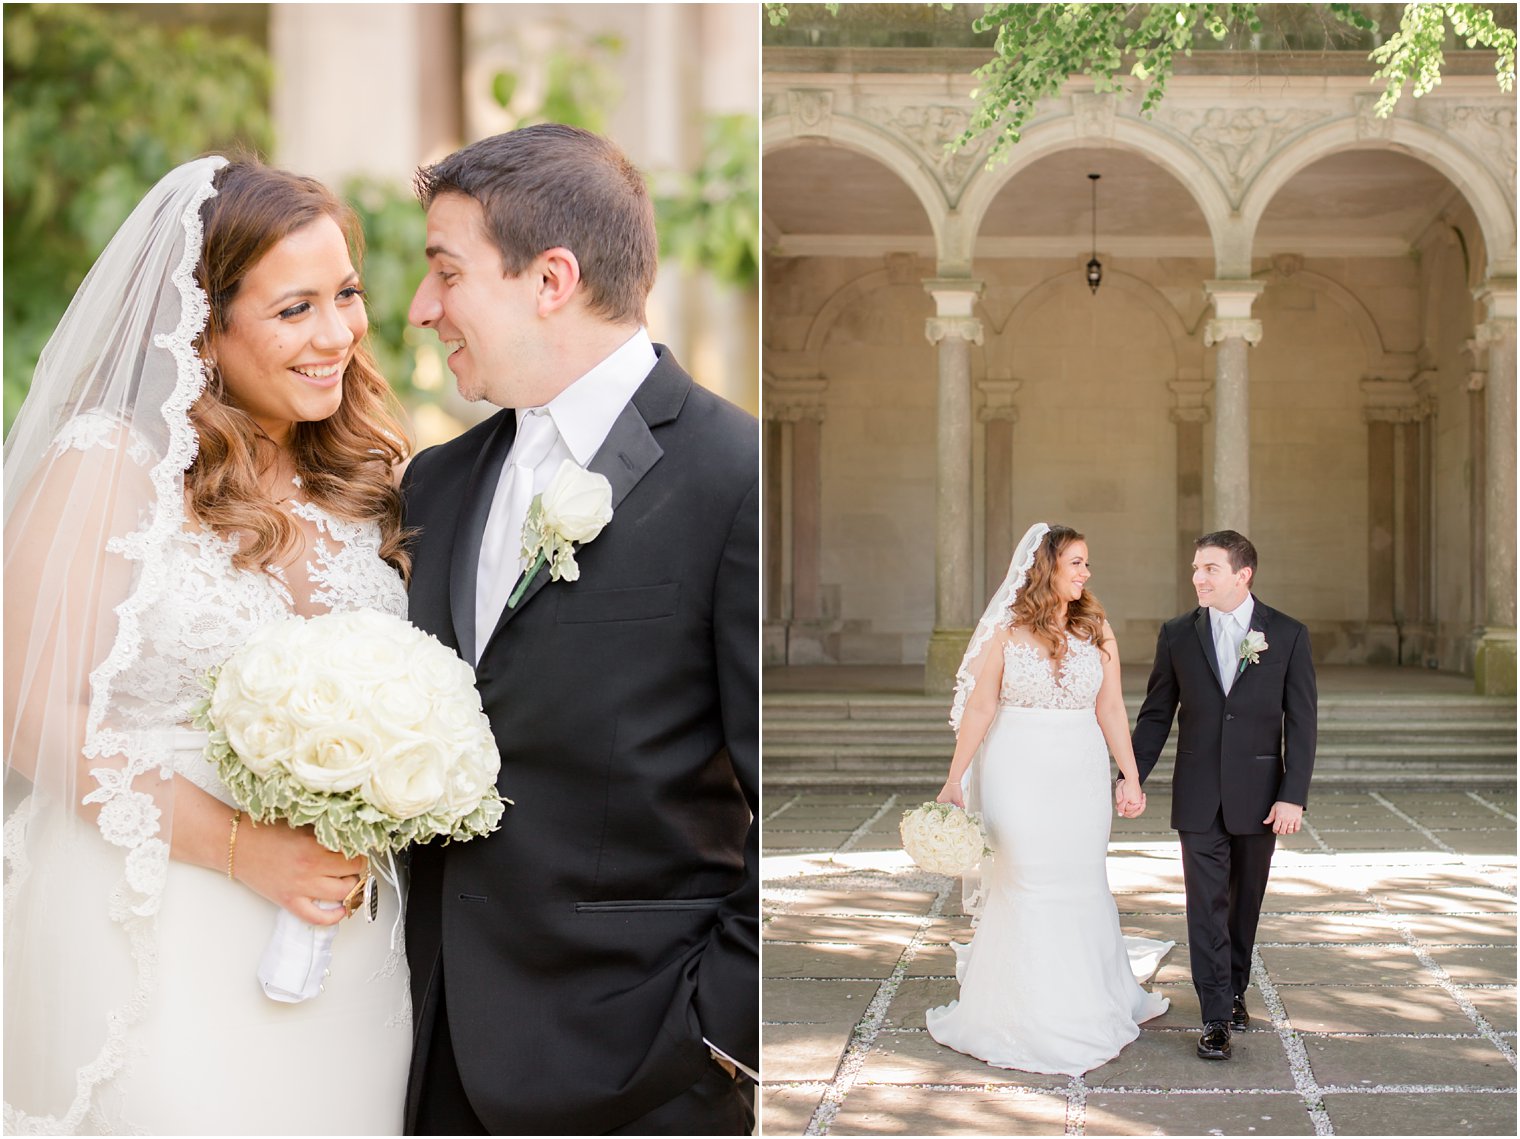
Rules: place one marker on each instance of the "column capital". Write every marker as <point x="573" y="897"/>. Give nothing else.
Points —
<point x="953" y="296"/>
<point x="937" y="328"/>
<point x="1497" y="295"/>
<point x="1190" y="396"/>
<point x="1476" y="381"/>
<point x="1394" y="401"/>
<point x="997" y="400"/>
<point x="795" y="398"/>
<point x="1232" y="328"/>
<point x="1233" y="299"/>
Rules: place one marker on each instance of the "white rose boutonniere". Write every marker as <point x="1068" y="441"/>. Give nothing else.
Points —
<point x="574" y="507"/>
<point x="1251" y="648"/>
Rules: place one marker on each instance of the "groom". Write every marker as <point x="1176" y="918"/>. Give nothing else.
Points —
<point x="1243" y="676"/>
<point x="592" y="967"/>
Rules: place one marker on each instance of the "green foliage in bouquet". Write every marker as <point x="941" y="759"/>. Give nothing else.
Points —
<point x="342" y="821"/>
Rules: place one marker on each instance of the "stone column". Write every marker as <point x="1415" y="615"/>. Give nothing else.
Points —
<point x="395" y="54"/>
<point x="1189" y="413"/>
<point x="796" y="405"/>
<point x="1396" y="541"/>
<point x="954" y="330"/>
<point x="998" y="415"/>
<point x="1494" y="667"/>
<point x="1233" y="331"/>
<point x="1477" y="529"/>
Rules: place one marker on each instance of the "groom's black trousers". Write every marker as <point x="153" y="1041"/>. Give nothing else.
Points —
<point x="1225" y="876"/>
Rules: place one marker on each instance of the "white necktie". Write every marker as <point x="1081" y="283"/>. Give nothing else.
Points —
<point x="501" y="560"/>
<point x="1228" y="645"/>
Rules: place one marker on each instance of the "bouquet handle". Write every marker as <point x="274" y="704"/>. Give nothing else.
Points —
<point x="297" y="958"/>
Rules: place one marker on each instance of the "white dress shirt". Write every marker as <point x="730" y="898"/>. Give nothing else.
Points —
<point x="583" y="415"/>
<point x="1229" y="630"/>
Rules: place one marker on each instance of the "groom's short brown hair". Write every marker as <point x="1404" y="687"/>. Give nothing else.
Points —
<point x="1236" y="545"/>
<point x="555" y="185"/>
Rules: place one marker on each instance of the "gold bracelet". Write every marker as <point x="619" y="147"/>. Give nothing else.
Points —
<point x="232" y="844"/>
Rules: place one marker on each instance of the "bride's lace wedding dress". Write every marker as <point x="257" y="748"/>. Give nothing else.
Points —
<point x="200" y="1049"/>
<point x="1048" y="982"/>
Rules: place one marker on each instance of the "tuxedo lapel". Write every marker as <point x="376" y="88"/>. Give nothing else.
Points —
<point x="1260" y="616"/>
<point x="1206" y="641"/>
<point x="626" y="455"/>
<point x="465" y="561"/>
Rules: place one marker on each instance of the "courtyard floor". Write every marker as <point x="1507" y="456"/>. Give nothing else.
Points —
<point x="1383" y="995"/>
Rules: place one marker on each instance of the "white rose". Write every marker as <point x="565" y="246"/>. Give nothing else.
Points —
<point x="408" y="779"/>
<point x="472" y="775"/>
<point x="320" y="701"/>
<point x="577" y="503"/>
<point x="338" y="758"/>
<point x="440" y="672"/>
<point x="400" y="706"/>
<point x="261" y="673"/>
<point x="261" y="740"/>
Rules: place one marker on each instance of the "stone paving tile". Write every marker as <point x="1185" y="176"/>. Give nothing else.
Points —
<point x="855" y="961"/>
<point x="878" y="842"/>
<point x="1345" y="902"/>
<point x="824" y="1001"/>
<point x="915" y="995"/>
<point x="1266" y="1113"/>
<point x="803" y="840"/>
<point x="933" y="961"/>
<point x="1475" y="966"/>
<point x="1325" y="928"/>
<point x="1150" y="902"/>
<point x="1477" y="841"/>
<point x="943" y="930"/>
<point x="1183" y="1010"/>
<point x="1400" y="840"/>
<point x="1472" y="900"/>
<point x="1330" y="1009"/>
<point x="786" y="1111"/>
<point x="1346" y="965"/>
<point x="867" y="931"/>
<point x="1496" y="929"/>
<point x="802" y="1051"/>
<point x="914" y="1111"/>
<point x="1497" y="1006"/>
<point x="1170" y="1060"/>
<point x="1158" y="927"/>
<point x="1358" y="1061"/>
<point x="1427" y="1113"/>
<point x="917" y="1058"/>
<point x="864" y="902"/>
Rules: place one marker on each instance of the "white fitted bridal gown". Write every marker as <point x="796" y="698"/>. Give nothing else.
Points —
<point x="1048" y="983"/>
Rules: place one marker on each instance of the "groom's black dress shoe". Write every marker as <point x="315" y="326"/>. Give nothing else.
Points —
<point x="1214" y="1044"/>
<point x="1240" y="1020"/>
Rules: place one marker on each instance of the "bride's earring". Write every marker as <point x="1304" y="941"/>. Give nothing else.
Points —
<point x="213" y="375"/>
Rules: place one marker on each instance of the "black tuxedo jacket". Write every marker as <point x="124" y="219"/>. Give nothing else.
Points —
<point x="1242" y="752"/>
<point x="612" y="923"/>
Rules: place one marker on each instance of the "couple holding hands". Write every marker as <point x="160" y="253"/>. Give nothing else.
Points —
<point x="1048" y="982"/>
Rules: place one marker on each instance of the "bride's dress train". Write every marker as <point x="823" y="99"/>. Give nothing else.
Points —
<point x="1048" y="983"/>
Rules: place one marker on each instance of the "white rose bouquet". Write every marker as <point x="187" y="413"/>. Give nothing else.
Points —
<point x="573" y="509"/>
<point x="363" y="727"/>
<point x="943" y="838"/>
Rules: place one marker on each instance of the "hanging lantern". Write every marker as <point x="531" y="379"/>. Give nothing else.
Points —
<point x="1094" y="267"/>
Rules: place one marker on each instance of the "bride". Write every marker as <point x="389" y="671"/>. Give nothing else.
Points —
<point x="206" y="447"/>
<point x="1048" y="983"/>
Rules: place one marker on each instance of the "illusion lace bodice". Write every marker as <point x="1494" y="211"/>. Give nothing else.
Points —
<point x="210" y="608"/>
<point x="1032" y="680"/>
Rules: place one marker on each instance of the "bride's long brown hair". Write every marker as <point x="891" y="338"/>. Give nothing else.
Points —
<point x="345" y="461"/>
<point x="1038" y="608"/>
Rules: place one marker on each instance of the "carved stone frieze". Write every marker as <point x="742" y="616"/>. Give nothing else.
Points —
<point x="1368" y="125"/>
<point x="1395" y="401"/>
<point x="930" y="128"/>
<point x="812" y="111"/>
<point x="1094" y="114"/>
<point x="1236" y="142"/>
<point x="1489" y="131"/>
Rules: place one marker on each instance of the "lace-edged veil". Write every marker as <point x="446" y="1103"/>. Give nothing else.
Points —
<point x="996" y="616"/>
<point x="94" y="491"/>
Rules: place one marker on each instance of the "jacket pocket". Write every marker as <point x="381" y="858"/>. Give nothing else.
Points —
<point x="647" y="905"/>
<point x="640" y="603"/>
